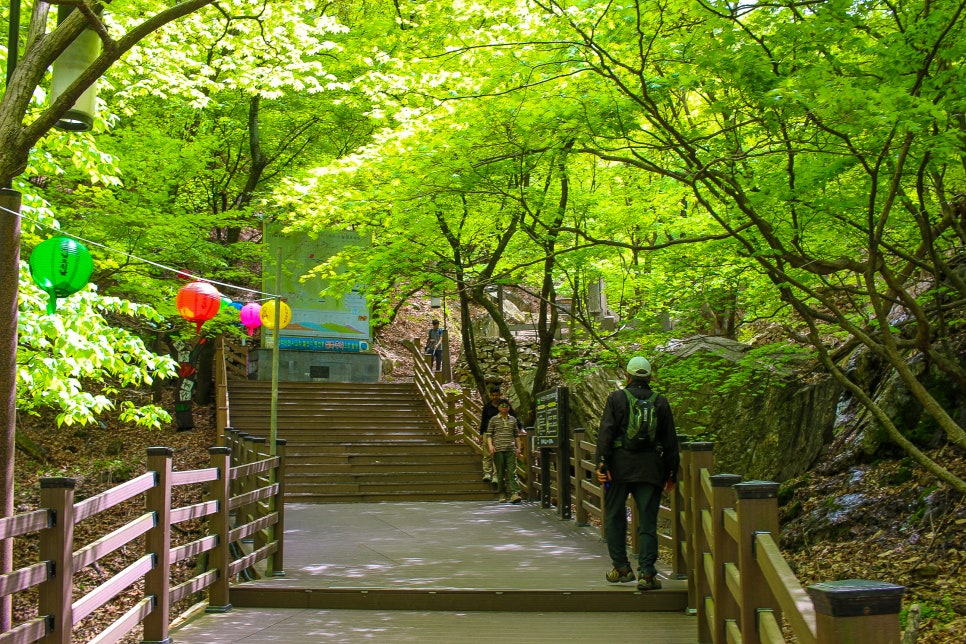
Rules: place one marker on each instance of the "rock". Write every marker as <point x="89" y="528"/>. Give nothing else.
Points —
<point x="114" y="448"/>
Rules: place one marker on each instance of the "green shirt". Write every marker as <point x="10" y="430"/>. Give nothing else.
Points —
<point x="503" y="431"/>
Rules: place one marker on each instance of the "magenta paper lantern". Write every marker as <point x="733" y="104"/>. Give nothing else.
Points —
<point x="250" y="315"/>
<point x="198" y="302"/>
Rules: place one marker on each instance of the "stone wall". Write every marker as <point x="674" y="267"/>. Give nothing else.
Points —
<point x="774" y="434"/>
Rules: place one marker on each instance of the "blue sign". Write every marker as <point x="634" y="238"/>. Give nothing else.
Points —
<point x="323" y="344"/>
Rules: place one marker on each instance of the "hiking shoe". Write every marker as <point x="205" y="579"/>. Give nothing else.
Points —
<point x="515" y="498"/>
<point x="487" y="478"/>
<point x="649" y="583"/>
<point x="502" y="499"/>
<point x="616" y="576"/>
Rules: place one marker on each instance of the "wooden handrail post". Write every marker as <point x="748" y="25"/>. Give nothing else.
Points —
<point x="56" y="546"/>
<point x="221" y="389"/>
<point x="725" y="551"/>
<point x="527" y="465"/>
<point x="856" y="610"/>
<point x="757" y="509"/>
<point x="158" y="542"/>
<point x="580" y="475"/>
<point x="702" y="542"/>
<point x="679" y="563"/>
<point x="701" y="457"/>
<point x="257" y="509"/>
<point x="243" y="514"/>
<point x="276" y="564"/>
<point x="219" y="524"/>
<point x="451" y="398"/>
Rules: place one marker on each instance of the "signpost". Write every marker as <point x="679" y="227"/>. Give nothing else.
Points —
<point x="552" y="436"/>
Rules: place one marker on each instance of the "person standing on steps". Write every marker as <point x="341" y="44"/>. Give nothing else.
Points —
<point x="490" y="409"/>
<point x="505" y="444"/>
<point x="642" y="472"/>
<point x="434" y="346"/>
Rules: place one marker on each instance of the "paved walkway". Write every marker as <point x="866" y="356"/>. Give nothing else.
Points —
<point x="435" y="547"/>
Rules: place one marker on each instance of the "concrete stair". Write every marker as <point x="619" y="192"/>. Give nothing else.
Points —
<point x="359" y="443"/>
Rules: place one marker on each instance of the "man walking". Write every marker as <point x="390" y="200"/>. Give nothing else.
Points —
<point x="641" y="470"/>
<point x="489" y="410"/>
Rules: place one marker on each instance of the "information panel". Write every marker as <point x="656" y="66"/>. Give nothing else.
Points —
<point x="319" y="322"/>
<point x="551" y="417"/>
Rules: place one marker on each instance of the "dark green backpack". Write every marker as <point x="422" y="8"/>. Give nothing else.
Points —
<point x="641" y="428"/>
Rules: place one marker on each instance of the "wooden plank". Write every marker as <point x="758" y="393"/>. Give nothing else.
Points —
<point x="238" y="565"/>
<point x="126" y="622"/>
<point x="204" y="544"/>
<point x="193" y="585"/>
<point x="27" y="632"/>
<point x="253" y="468"/>
<point x="113" y="540"/>
<point x="251" y="528"/>
<point x="190" y="477"/>
<point x="730" y="520"/>
<point x="106" y="500"/>
<point x="796" y="605"/>
<point x="253" y="496"/>
<point x="107" y="591"/>
<point x="21" y="524"/>
<point x="733" y="581"/>
<point x="196" y="511"/>
<point x="24" y="578"/>
<point x="769" y="631"/>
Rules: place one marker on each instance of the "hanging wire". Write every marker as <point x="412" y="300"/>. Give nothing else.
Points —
<point x="176" y="271"/>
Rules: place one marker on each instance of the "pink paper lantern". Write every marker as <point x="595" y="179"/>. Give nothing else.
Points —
<point x="250" y="315"/>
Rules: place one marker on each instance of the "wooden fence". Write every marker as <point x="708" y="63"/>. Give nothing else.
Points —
<point x="721" y="534"/>
<point x="243" y="501"/>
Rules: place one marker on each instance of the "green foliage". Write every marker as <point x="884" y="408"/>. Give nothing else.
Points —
<point x="76" y="361"/>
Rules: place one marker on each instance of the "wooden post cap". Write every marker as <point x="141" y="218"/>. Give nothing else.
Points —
<point x="219" y="450"/>
<point x="160" y="451"/>
<point x="757" y="490"/>
<point x="57" y="482"/>
<point x="700" y="446"/>
<point x="856" y="598"/>
<point x="725" y="480"/>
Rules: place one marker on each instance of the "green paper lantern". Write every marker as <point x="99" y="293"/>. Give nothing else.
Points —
<point x="60" y="266"/>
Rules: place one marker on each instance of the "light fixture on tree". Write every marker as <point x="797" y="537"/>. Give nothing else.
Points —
<point x="78" y="56"/>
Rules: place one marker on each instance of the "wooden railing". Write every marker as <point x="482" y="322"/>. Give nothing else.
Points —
<point x="58" y="560"/>
<point x="740" y="584"/>
<point x="231" y="363"/>
<point x="442" y="402"/>
<point x="722" y="536"/>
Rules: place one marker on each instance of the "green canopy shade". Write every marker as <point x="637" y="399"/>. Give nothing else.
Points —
<point x="60" y="266"/>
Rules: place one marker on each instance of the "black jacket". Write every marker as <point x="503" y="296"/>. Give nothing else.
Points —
<point x="632" y="467"/>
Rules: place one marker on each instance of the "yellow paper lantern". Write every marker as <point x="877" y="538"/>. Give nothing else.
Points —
<point x="267" y="315"/>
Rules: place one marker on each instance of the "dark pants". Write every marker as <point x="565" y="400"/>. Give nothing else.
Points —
<point x="647" y="497"/>
<point x="438" y="359"/>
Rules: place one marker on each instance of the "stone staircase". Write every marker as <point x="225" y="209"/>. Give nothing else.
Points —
<point x="359" y="443"/>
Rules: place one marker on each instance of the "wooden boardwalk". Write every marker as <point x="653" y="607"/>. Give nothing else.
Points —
<point x="438" y="571"/>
